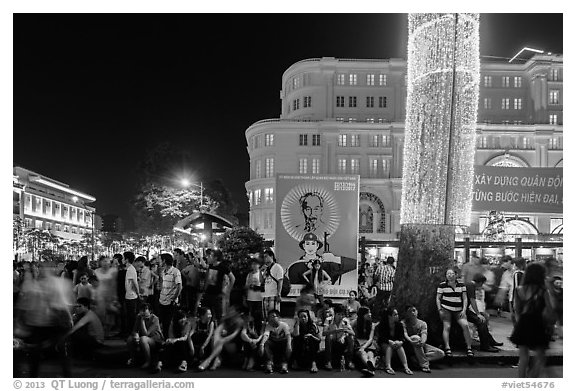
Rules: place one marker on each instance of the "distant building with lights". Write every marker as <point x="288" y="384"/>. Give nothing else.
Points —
<point x="47" y="204"/>
<point x="346" y="116"/>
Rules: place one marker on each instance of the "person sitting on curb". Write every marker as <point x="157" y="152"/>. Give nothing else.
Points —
<point x="390" y="339"/>
<point x="416" y="333"/>
<point x="88" y="332"/>
<point x="452" y="301"/>
<point x="473" y="315"/>
<point x="148" y="335"/>
<point x="180" y="349"/>
<point x="306" y="342"/>
<point x="231" y="325"/>
<point x="250" y="338"/>
<point x="276" y="342"/>
<point x="365" y="346"/>
<point x="339" y="340"/>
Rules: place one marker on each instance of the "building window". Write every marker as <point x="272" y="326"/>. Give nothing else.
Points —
<point x="303" y="139"/>
<point x="354" y="166"/>
<point x="269" y="167"/>
<point x="249" y="195"/>
<point x="57" y="227"/>
<point x="315" y="166"/>
<point x="373" y="140"/>
<point x="386" y="167"/>
<point x="268" y="140"/>
<point x="385" y="140"/>
<point x="352" y="101"/>
<point x="296" y="104"/>
<point x="55" y="209"/>
<point x="553" y="143"/>
<point x="382" y="101"/>
<point x="505" y="81"/>
<point x="373" y="167"/>
<point x="370" y="80"/>
<point x="257" y="194"/>
<point x="315" y="140"/>
<point x="340" y="119"/>
<point x="307" y="101"/>
<point x="296" y="82"/>
<point x="267" y="220"/>
<point x="505" y="103"/>
<point x="487" y="81"/>
<point x="342" y="166"/>
<point x="554" y="74"/>
<point x="355" y="140"/>
<point x="517" y="103"/>
<point x="66" y="228"/>
<point x="339" y="101"/>
<point x="268" y="195"/>
<point x="38" y="224"/>
<point x="482" y="142"/>
<point x="554" y="97"/>
<point x="370" y="120"/>
<point x="27" y="223"/>
<point x="342" y="140"/>
<point x="303" y="166"/>
<point x="258" y="169"/>
<point x="487" y="103"/>
<point x="341" y="79"/>
<point x="37" y="204"/>
<point x="517" y="81"/>
<point x="352" y="119"/>
<point x="553" y="119"/>
<point x="382" y="80"/>
<point x="517" y="122"/>
<point x="369" y="101"/>
<point x="353" y="79"/>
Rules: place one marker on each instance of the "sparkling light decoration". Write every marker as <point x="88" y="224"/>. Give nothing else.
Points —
<point x="441" y="113"/>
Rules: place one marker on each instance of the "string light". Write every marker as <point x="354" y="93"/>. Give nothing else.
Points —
<point x="438" y="44"/>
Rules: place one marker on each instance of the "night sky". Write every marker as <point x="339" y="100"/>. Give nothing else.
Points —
<point x="93" y="92"/>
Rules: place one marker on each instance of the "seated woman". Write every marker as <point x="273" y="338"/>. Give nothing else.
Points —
<point x="202" y="334"/>
<point x="306" y="341"/>
<point x="390" y="339"/>
<point x="365" y="346"/>
<point x="148" y="336"/>
<point x="276" y="343"/>
<point x="180" y="348"/>
<point x="250" y="339"/>
<point x="352" y="305"/>
<point x="225" y="333"/>
<point x="339" y="340"/>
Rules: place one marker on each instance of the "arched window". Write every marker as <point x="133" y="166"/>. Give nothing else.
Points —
<point x="506" y="160"/>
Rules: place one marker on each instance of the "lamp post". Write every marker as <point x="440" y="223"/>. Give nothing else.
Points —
<point x="186" y="183"/>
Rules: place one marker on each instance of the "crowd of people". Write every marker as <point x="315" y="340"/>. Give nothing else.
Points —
<point x="174" y="311"/>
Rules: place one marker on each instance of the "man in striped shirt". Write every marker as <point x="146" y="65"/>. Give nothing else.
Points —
<point x="385" y="282"/>
<point x="452" y="302"/>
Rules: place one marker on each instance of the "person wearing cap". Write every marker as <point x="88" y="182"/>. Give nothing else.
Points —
<point x="334" y="266"/>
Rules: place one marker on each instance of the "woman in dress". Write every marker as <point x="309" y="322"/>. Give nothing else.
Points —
<point x="532" y="303"/>
<point x="391" y="338"/>
<point x="365" y="346"/>
<point x="318" y="278"/>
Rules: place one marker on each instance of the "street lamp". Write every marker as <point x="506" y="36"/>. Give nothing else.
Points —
<point x="186" y="183"/>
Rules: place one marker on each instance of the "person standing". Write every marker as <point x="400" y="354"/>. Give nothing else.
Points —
<point x="471" y="268"/>
<point x="384" y="279"/>
<point x="132" y="290"/>
<point x="106" y="294"/>
<point x="517" y="275"/>
<point x="145" y="282"/>
<point x="171" y="288"/>
<point x="273" y="275"/>
<point x="219" y="278"/>
<point x="191" y="279"/>
<point x="254" y="287"/>
<point x="532" y="303"/>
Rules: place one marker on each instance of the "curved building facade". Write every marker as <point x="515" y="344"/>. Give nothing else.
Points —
<point x="346" y="116"/>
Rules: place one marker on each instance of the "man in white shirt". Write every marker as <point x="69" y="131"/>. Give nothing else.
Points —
<point x="273" y="278"/>
<point x="132" y="290"/>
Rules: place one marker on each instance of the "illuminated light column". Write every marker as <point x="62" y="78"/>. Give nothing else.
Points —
<point x="439" y="148"/>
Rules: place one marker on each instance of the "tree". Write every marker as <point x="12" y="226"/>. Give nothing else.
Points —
<point x="237" y="244"/>
<point x="157" y="208"/>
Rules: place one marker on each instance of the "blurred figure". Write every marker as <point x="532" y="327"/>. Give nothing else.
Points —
<point x="219" y="280"/>
<point x="471" y="268"/>
<point x="88" y="332"/>
<point x="227" y="330"/>
<point x="532" y="301"/>
<point x="106" y="309"/>
<point x="45" y="317"/>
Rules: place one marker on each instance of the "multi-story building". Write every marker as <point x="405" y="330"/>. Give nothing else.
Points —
<point x="44" y="203"/>
<point x="347" y="116"/>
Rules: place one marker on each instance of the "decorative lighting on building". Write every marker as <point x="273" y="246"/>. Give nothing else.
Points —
<point x="441" y="116"/>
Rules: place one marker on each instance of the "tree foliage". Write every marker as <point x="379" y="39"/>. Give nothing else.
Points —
<point x="237" y="244"/>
